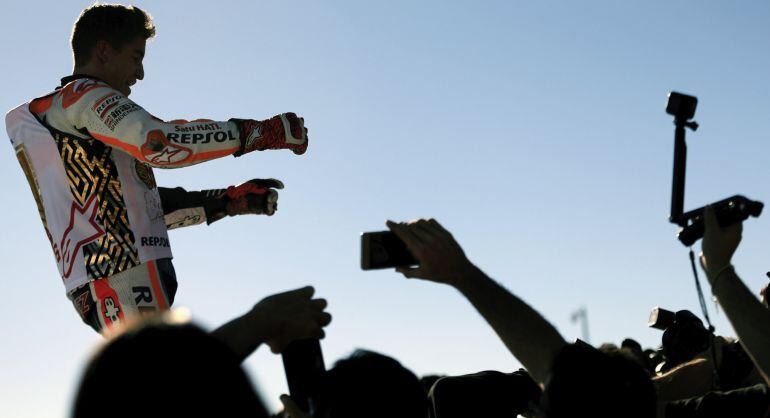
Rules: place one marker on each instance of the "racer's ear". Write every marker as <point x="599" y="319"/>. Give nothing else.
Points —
<point x="103" y="52"/>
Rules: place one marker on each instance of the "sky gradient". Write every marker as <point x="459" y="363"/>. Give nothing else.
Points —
<point x="534" y="131"/>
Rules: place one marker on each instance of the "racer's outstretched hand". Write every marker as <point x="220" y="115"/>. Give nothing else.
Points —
<point x="256" y="196"/>
<point x="284" y="131"/>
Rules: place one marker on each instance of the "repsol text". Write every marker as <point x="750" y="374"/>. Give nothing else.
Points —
<point x="154" y="242"/>
<point x="201" y="138"/>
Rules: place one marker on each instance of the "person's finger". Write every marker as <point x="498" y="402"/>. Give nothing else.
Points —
<point x="303" y="292"/>
<point x="410" y="235"/>
<point x="324" y="319"/>
<point x="276" y="184"/>
<point x="268" y="183"/>
<point x="710" y="219"/>
<point x="403" y="232"/>
<point x="399" y="230"/>
<point x="319" y="303"/>
<point x="423" y="229"/>
<point x="409" y="272"/>
<point x="438" y="227"/>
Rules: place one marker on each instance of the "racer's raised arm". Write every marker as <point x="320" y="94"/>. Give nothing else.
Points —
<point x="91" y="106"/>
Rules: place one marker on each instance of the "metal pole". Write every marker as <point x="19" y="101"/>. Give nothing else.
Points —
<point x="581" y="315"/>
<point x="680" y="163"/>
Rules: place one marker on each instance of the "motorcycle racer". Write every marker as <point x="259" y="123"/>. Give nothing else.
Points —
<point x="88" y="151"/>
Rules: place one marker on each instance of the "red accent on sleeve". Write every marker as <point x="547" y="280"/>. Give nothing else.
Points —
<point x="42" y="104"/>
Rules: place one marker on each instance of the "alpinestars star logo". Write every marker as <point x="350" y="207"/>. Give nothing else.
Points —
<point x="74" y="238"/>
<point x="158" y="150"/>
<point x="254" y="135"/>
<point x="167" y="156"/>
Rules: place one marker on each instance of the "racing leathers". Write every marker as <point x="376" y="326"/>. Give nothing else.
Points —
<point x="88" y="153"/>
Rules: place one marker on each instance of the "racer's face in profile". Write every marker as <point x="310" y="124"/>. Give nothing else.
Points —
<point x="123" y="67"/>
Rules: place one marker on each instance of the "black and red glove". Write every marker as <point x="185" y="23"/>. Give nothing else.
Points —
<point x="257" y="196"/>
<point x="285" y="131"/>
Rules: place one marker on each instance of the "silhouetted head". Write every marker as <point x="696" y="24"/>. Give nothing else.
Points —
<point x="371" y="385"/>
<point x="586" y="382"/>
<point x="484" y="394"/>
<point x="165" y="370"/>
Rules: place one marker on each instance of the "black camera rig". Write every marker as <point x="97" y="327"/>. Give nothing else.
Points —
<point x="728" y="211"/>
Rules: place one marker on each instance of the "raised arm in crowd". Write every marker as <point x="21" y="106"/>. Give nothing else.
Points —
<point x="529" y="336"/>
<point x="748" y="316"/>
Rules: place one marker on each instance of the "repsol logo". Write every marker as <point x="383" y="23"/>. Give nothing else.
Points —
<point x="106" y="103"/>
<point x="200" y="138"/>
<point x="154" y="242"/>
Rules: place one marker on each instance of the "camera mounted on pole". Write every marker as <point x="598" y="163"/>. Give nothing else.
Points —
<point x="728" y="211"/>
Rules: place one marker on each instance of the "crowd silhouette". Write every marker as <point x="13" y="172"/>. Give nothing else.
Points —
<point x="693" y="374"/>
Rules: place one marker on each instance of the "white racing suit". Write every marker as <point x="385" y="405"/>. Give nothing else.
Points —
<point x="88" y="152"/>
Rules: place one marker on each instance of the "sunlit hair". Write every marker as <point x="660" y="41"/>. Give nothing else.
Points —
<point x="114" y="23"/>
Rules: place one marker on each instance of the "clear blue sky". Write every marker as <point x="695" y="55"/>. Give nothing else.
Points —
<point x="535" y="131"/>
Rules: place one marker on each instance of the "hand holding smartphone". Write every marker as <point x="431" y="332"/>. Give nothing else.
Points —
<point x="383" y="249"/>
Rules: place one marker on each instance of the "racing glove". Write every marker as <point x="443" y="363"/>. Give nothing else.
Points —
<point x="257" y="196"/>
<point x="285" y="131"/>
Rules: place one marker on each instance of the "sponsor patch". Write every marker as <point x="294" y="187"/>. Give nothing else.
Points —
<point x="142" y="294"/>
<point x="112" y="116"/>
<point x="198" y="127"/>
<point x="154" y="242"/>
<point x="106" y="103"/>
<point x="144" y="172"/>
<point x="82" y="304"/>
<point x="201" y="138"/>
<point x="110" y="309"/>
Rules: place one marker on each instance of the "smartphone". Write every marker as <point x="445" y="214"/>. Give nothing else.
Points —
<point x="303" y="363"/>
<point x="383" y="249"/>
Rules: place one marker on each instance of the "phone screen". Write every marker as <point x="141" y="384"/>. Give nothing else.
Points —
<point x="384" y="249"/>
